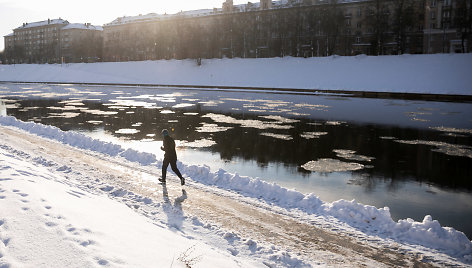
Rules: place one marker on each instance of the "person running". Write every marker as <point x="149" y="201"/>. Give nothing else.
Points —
<point x="170" y="157"/>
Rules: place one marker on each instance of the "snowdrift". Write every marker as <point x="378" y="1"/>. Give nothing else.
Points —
<point x="435" y="74"/>
<point x="368" y="219"/>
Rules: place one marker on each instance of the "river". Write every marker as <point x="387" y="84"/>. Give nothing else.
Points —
<point x="413" y="156"/>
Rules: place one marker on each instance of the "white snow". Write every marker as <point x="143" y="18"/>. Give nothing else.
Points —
<point x="437" y="74"/>
<point x="47" y="222"/>
<point x="370" y="220"/>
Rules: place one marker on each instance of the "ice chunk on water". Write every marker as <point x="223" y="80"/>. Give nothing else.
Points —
<point x="327" y="165"/>
<point x="351" y="155"/>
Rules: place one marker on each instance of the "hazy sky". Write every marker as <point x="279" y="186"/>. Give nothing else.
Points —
<point x="13" y="13"/>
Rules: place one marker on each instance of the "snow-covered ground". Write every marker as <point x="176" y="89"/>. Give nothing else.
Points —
<point x="55" y="214"/>
<point x="437" y="74"/>
<point x="46" y="221"/>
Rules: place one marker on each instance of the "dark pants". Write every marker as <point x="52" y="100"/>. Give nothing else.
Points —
<point x="173" y="165"/>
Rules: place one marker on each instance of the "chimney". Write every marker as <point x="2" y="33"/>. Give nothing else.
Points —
<point x="49" y="21"/>
<point x="228" y="6"/>
<point x="266" y="4"/>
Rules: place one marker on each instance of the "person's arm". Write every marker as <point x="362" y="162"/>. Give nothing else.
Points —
<point x="163" y="148"/>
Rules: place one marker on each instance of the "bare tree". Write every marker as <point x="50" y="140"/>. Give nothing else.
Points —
<point x="403" y="19"/>
<point x="463" y="20"/>
<point x="332" y="25"/>
<point x="378" y="18"/>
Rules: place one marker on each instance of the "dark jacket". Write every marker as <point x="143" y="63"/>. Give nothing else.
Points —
<point x="169" y="148"/>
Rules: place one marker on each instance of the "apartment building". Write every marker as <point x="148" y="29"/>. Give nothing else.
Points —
<point x="268" y="29"/>
<point x="50" y="41"/>
<point x="446" y="23"/>
<point x="81" y="42"/>
<point x="300" y="28"/>
<point x="34" y="42"/>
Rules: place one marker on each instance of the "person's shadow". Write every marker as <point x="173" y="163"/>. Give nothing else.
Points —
<point x="175" y="214"/>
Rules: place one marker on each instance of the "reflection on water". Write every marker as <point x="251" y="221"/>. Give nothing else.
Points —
<point x="410" y="156"/>
<point x="3" y="108"/>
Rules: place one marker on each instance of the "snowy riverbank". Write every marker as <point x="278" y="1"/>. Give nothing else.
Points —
<point x="436" y="74"/>
<point x="436" y="242"/>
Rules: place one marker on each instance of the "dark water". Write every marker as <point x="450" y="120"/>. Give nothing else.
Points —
<point x="412" y="156"/>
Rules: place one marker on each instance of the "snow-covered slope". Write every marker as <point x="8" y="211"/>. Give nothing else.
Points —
<point x="437" y="74"/>
<point x="44" y="222"/>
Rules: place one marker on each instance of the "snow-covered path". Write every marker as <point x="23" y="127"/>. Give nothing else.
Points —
<point x="54" y="216"/>
<point x="245" y="232"/>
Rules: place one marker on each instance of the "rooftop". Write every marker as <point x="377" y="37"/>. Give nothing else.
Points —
<point x="82" y="26"/>
<point x="208" y="12"/>
<point x="42" y="23"/>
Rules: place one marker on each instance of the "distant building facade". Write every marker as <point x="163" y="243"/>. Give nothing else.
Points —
<point x="81" y="42"/>
<point x="299" y="28"/>
<point x="302" y="28"/>
<point x="52" y="41"/>
<point x="448" y="26"/>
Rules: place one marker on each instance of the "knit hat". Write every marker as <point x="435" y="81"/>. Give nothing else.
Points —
<point x="165" y="132"/>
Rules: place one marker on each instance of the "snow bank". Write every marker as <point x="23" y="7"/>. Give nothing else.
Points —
<point x="369" y="219"/>
<point x="79" y="140"/>
<point x="437" y="74"/>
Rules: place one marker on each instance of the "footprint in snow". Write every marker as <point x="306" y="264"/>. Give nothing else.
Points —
<point x="87" y="243"/>
<point x="5" y="241"/>
<point x="47" y="207"/>
<point x="64" y="169"/>
<point x="51" y="224"/>
<point x="103" y="262"/>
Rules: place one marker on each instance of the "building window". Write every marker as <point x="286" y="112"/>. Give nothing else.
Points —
<point x="447" y="3"/>
<point x="433" y="3"/>
<point x="433" y="15"/>
<point x="447" y="14"/>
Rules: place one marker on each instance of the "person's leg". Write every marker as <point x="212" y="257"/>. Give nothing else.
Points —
<point x="173" y="165"/>
<point x="165" y="164"/>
